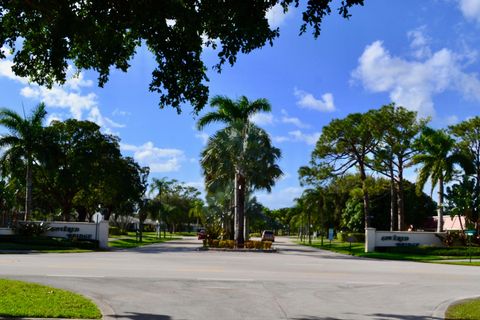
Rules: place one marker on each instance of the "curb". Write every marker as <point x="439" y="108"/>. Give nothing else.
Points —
<point x="439" y="311"/>
<point x="236" y="250"/>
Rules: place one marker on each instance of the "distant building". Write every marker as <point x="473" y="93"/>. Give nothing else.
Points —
<point x="449" y="223"/>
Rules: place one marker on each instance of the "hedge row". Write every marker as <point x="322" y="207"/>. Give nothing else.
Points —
<point x="230" y="244"/>
<point x="50" y="242"/>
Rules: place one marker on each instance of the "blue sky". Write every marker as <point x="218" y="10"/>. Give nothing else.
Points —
<point x="423" y="55"/>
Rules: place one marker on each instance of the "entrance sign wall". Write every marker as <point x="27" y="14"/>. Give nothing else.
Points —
<point x="375" y="239"/>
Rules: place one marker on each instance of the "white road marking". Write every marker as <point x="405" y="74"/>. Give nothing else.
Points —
<point x="73" y="276"/>
<point x="225" y="279"/>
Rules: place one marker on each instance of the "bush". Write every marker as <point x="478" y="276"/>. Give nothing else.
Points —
<point x="255" y="234"/>
<point x="31" y="229"/>
<point x="226" y="244"/>
<point x="116" y="231"/>
<point x="267" y="245"/>
<point x="357" y="236"/>
<point x="453" y="238"/>
<point x="230" y="244"/>
<point x="434" y="251"/>
<point x="50" y="242"/>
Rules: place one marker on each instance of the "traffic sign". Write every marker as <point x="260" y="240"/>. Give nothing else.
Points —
<point x="470" y="232"/>
<point x="97" y="217"/>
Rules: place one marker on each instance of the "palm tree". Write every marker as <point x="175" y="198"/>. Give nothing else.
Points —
<point x="437" y="156"/>
<point x="229" y="111"/>
<point x="21" y="143"/>
<point x="236" y="114"/>
<point x="244" y="153"/>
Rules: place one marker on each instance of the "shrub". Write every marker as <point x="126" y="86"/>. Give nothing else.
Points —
<point x="342" y="236"/>
<point x="356" y="236"/>
<point x="359" y="236"/>
<point x="267" y="245"/>
<point x="50" y="242"/>
<point x="116" y="231"/>
<point x="258" y="245"/>
<point x="249" y="244"/>
<point x="230" y="244"/>
<point x="31" y="229"/>
<point x="453" y="238"/>
<point x="255" y="234"/>
<point x="434" y="251"/>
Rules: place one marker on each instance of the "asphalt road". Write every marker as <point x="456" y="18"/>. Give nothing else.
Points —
<point x="174" y="281"/>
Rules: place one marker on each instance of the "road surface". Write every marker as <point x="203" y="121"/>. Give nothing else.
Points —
<point x="175" y="281"/>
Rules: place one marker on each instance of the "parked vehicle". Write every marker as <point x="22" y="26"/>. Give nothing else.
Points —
<point x="201" y="234"/>
<point x="267" y="235"/>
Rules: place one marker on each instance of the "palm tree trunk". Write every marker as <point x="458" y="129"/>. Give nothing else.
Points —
<point x="400" y="200"/>
<point x="28" y="191"/>
<point x="239" y="208"/>
<point x="440" y="205"/>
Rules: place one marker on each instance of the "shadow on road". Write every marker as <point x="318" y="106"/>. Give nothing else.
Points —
<point x="385" y="316"/>
<point x="375" y="316"/>
<point x="296" y="249"/>
<point x="315" y="318"/>
<point x="140" y="316"/>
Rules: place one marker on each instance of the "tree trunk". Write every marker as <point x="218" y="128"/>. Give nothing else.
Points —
<point x="246" y="232"/>
<point x="239" y="208"/>
<point x="440" y="205"/>
<point x="401" y="206"/>
<point x="366" y="199"/>
<point x="66" y="209"/>
<point x="28" y="191"/>
<point x="309" y="226"/>
<point x="400" y="199"/>
<point x="82" y="213"/>
<point x="393" y="199"/>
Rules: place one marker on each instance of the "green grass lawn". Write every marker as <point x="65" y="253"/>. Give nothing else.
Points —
<point x="22" y="299"/>
<point x="130" y="240"/>
<point x="419" y="254"/>
<point x="466" y="310"/>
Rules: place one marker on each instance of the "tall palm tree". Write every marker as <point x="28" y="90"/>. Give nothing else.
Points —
<point x="437" y="157"/>
<point x="22" y="143"/>
<point x="229" y="111"/>
<point x="236" y="114"/>
<point x="245" y="154"/>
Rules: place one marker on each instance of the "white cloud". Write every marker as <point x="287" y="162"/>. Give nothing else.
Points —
<point x="262" y="118"/>
<point x="419" y="43"/>
<point x="202" y="136"/>
<point x="299" y="136"/>
<point x="308" y="101"/>
<point x="275" y="16"/>
<point x="118" y="112"/>
<point x="6" y="71"/>
<point x="158" y="159"/>
<point x="60" y="97"/>
<point x="293" y="120"/>
<point x="470" y="9"/>
<point x="68" y="96"/>
<point x="451" y="120"/>
<point x="279" y="198"/>
<point x="199" y="185"/>
<point x="208" y="43"/>
<point x="54" y="117"/>
<point x="6" y="51"/>
<point x="413" y="83"/>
